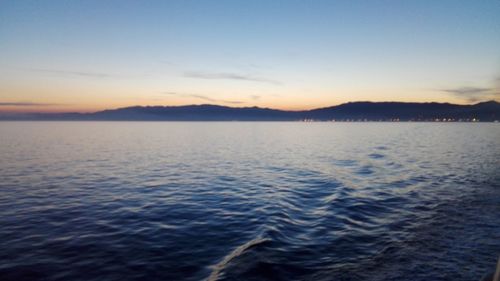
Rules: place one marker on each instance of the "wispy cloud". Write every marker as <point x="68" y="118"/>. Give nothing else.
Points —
<point x="473" y="94"/>
<point x="228" y="76"/>
<point x="255" y="97"/>
<point x="27" y="104"/>
<point x="467" y="91"/>
<point x="167" y="62"/>
<point x="74" y="73"/>
<point x="202" y="97"/>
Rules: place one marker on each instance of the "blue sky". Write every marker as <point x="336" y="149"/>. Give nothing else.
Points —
<point x="91" y="55"/>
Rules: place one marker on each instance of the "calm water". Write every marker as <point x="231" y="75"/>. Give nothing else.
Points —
<point x="248" y="201"/>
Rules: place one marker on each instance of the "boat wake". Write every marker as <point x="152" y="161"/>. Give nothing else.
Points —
<point x="217" y="269"/>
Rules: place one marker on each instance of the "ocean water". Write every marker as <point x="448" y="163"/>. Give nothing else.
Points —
<point x="248" y="201"/>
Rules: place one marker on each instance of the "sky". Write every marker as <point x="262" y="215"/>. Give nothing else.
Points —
<point x="85" y="56"/>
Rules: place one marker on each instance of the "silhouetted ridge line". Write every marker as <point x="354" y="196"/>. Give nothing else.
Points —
<point x="352" y="111"/>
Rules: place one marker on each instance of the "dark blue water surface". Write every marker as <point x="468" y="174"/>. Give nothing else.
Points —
<point x="248" y="201"/>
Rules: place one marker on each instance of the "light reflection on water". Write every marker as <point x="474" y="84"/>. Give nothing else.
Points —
<point x="187" y="201"/>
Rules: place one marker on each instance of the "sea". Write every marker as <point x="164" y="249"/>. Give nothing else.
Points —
<point x="249" y="201"/>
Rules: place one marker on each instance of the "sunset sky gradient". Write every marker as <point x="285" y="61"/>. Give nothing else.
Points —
<point x="59" y="56"/>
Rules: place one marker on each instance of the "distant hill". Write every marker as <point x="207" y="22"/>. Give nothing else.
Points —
<point x="353" y="111"/>
<point x="485" y="111"/>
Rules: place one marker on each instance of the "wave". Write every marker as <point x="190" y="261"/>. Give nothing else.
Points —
<point x="235" y="253"/>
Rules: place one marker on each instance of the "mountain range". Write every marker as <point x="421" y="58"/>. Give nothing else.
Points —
<point x="352" y="111"/>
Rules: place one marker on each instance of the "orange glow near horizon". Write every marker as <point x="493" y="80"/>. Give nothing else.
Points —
<point x="292" y="105"/>
<point x="63" y="94"/>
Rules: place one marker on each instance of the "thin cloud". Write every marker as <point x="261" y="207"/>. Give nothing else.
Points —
<point x="27" y="104"/>
<point x="232" y="102"/>
<point x="467" y="91"/>
<point x="74" y="73"/>
<point x="228" y="76"/>
<point x="167" y="62"/>
<point x="202" y="97"/>
<point x="255" y="97"/>
<point x="472" y="94"/>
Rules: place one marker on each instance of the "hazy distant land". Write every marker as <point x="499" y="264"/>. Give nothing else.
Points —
<point x="352" y="111"/>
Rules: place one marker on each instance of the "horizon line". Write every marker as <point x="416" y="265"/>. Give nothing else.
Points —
<point x="229" y="106"/>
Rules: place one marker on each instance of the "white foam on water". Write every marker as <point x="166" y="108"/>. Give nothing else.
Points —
<point x="235" y="253"/>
